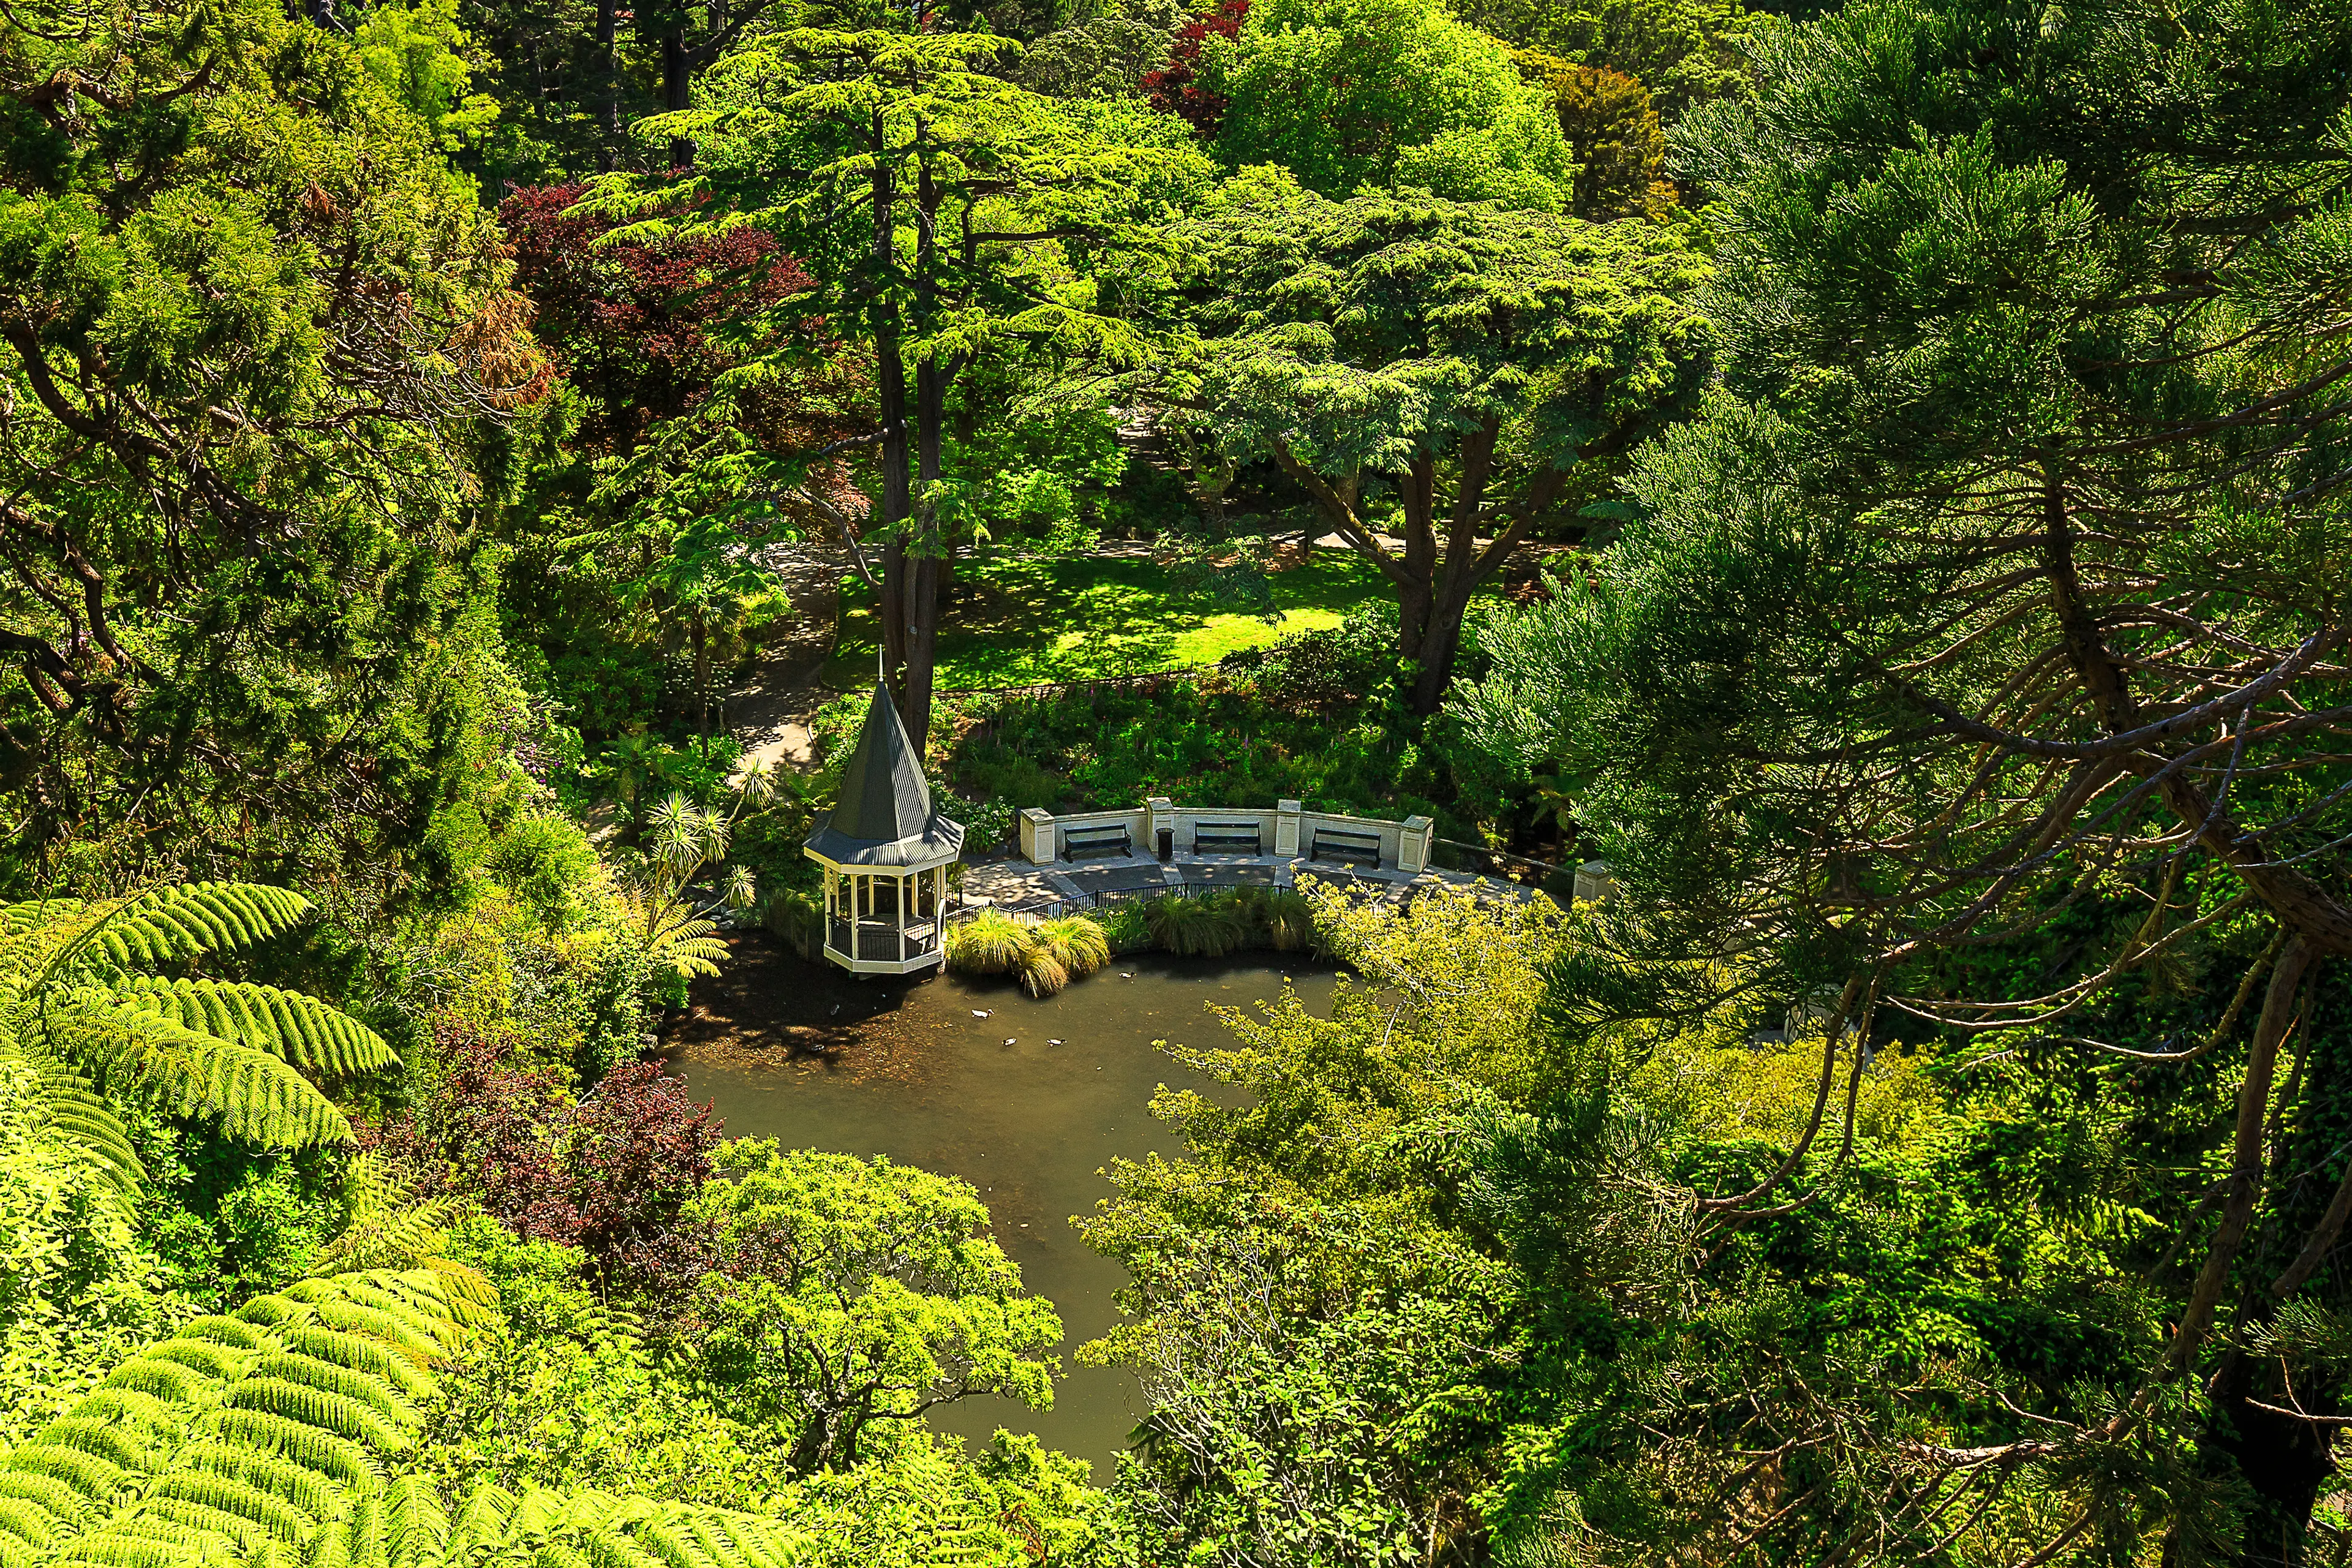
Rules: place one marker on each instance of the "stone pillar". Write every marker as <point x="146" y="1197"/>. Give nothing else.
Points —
<point x="1593" y="880"/>
<point x="1036" y="835"/>
<point x="1413" y="844"/>
<point x="1160" y="837"/>
<point x="1285" y="826"/>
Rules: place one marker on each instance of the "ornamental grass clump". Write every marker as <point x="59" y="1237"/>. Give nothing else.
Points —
<point x="1194" y="927"/>
<point x="991" y="942"/>
<point x="1076" y="942"/>
<point x="1042" y="973"/>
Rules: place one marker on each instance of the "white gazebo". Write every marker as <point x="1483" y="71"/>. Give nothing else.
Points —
<point x="885" y="855"/>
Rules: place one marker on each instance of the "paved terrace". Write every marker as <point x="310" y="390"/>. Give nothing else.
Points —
<point x="1011" y="882"/>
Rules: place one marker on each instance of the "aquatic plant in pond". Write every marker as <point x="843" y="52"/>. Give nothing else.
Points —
<point x="1126" y="927"/>
<point x="1289" y="919"/>
<point x="1043" y="974"/>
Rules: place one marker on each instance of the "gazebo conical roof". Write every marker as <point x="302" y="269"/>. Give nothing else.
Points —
<point x="882" y="815"/>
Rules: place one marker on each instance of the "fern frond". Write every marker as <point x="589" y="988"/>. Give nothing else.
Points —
<point x="338" y="1458"/>
<point x="714" y="1543"/>
<point x="117" y="1445"/>
<point x="200" y="1517"/>
<point x="214" y="1329"/>
<point x="390" y="1231"/>
<point x="298" y="1485"/>
<point x="674" y="1549"/>
<point x="193" y="919"/>
<point x="127" y="1550"/>
<point x="341" y="1316"/>
<point x="91" y="1479"/>
<point x="29" y="1524"/>
<point x="257" y="1098"/>
<point x="607" y="1547"/>
<point x="131" y="1411"/>
<point x="299" y="1030"/>
<point x="331" y="1377"/>
<point x="359" y="1541"/>
<point x="82" y="1120"/>
<point x="159" y="1377"/>
<point x="429" y="1302"/>
<point x="233" y="1499"/>
<point x="415" y="1526"/>
<point x="334" y="1413"/>
<point x="482" y="1522"/>
<point x="66" y="1506"/>
<point x="359" y="1354"/>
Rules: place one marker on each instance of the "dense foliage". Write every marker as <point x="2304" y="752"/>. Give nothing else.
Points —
<point x="1875" y="476"/>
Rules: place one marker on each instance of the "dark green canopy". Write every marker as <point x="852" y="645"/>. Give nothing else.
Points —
<point x="882" y="815"/>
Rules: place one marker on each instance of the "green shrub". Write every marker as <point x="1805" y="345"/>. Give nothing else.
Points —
<point x="991" y="942"/>
<point x="1125" y="926"/>
<point x="545" y="861"/>
<point x="796" y="918"/>
<point x="1195" y="927"/>
<point x="1288" y="921"/>
<point x="1077" y="943"/>
<point x="992" y="770"/>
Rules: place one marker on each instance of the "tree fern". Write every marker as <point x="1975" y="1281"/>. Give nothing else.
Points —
<point x="273" y="1439"/>
<point x="390" y="1227"/>
<point x="73" y="1002"/>
<point x="83" y="1119"/>
<point x="180" y="921"/>
<point x="680" y="941"/>
<point x="299" y="1030"/>
<point x="257" y="1098"/>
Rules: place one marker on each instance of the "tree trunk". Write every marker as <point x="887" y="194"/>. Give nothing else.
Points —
<point x="2283" y="1461"/>
<point x="1440" y="643"/>
<point x="702" y="682"/>
<point x="924" y="555"/>
<point x="910" y="465"/>
<point x="608" y="88"/>
<point x="890" y="376"/>
<point x="677" y="83"/>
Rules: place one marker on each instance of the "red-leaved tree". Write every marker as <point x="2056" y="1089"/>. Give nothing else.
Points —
<point x="1175" y="88"/>
<point x="609" y="1173"/>
<point x="632" y="324"/>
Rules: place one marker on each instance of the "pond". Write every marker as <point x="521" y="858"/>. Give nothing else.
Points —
<point x="918" y="1076"/>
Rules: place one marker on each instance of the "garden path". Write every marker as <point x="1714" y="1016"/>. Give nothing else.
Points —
<point x="770" y="712"/>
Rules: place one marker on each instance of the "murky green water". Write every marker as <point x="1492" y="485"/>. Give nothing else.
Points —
<point x="1029" y="1122"/>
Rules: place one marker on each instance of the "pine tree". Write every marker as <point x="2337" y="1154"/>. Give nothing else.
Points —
<point x="1977" y="669"/>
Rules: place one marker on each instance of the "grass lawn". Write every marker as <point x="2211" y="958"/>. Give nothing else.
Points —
<point x="1018" y="623"/>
